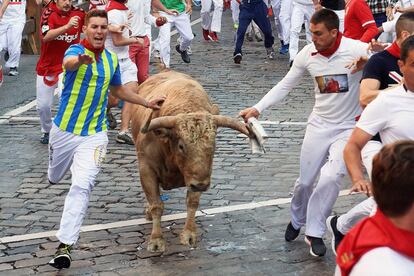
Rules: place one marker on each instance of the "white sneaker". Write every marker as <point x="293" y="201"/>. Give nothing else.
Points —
<point x="13" y="71"/>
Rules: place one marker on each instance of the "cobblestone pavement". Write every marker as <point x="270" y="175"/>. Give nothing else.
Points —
<point x="240" y="242"/>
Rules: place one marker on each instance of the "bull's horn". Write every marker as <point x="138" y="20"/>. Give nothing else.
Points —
<point x="223" y="121"/>
<point x="161" y="122"/>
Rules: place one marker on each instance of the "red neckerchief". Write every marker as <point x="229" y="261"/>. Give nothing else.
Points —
<point x="114" y="5"/>
<point x="394" y="49"/>
<point x="371" y="233"/>
<point x="88" y="46"/>
<point x="60" y="12"/>
<point x="330" y="51"/>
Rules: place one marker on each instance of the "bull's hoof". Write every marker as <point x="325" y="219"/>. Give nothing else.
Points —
<point x="156" y="245"/>
<point x="188" y="237"/>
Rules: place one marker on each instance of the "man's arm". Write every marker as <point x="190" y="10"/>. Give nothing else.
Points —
<point x="120" y="40"/>
<point x="3" y="7"/>
<point x="72" y="63"/>
<point x="368" y="91"/>
<point x="123" y="93"/>
<point x="53" y="33"/>
<point x="157" y="5"/>
<point x="353" y="160"/>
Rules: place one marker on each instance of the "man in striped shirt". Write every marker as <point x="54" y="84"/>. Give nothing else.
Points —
<point x="78" y="137"/>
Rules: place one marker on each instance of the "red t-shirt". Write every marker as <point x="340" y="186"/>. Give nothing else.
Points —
<point x="51" y="53"/>
<point x="359" y="24"/>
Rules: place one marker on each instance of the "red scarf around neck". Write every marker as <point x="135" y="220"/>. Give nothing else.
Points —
<point x="88" y="46"/>
<point x="330" y="51"/>
<point x="394" y="49"/>
<point x="114" y="5"/>
<point x="371" y="233"/>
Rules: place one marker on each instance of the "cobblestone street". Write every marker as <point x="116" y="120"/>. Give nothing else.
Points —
<point x="246" y="239"/>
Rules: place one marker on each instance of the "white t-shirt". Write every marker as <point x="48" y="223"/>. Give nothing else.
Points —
<point x="140" y="16"/>
<point x="118" y="17"/>
<point x="336" y="89"/>
<point x="383" y="261"/>
<point x="15" y="12"/>
<point x="391" y="114"/>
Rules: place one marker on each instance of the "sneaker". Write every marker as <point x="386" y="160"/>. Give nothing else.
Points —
<point x="206" y="34"/>
<point x="1" y="75"/>
<point x="249" y="36"/>
<point x="291" y="233"/>
<point x="236" y="26"/>
<point x="213" y="36"/>
<point x="13" y="71"/>
<point x="237" y="58"/>
<point x="111" y="120"/>
<point x="270" y="53"/>
<point x="124" y="138"/>
<point x="62" y="258"/>
<point x="184" y="55"/>
<point x="284" y="50"/>
<point x="337" y="236"/>
<point x="45" y="138"/>
<point x="317" y="246"/>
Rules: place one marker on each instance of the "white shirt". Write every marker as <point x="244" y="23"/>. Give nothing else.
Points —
<point x="15" y="12"/>
<point x="141" y="16"/>
<point x="118" y="17"/>
<point x="333" y="107"/>
<point x="391" y="114"/>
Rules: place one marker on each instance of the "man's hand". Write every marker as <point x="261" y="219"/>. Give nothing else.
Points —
<point x="118" y="28"/>
<point x="357" y="65"/>
<point x="73" y="22"/>
<point x="248" y="113"/>
<point x="188" y="9"/>
<point x="156" y="103"/>
<point x="172" y="12"/>
<point x="85" y="59"/>
<point x="161" y="20"/>
<point x="362" y="186"/>
<point x="376" y="46"/>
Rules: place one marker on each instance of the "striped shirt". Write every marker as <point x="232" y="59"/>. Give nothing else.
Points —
<point x="85" y="93"/>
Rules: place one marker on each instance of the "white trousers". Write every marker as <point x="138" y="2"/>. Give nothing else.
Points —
<point x="300" y="13"/>
<point x="321" y="153"/>
<point x="84" y="156"/>
<point x="208" y="22"/>
<point x="44" y="100"/>
<point x="183" y="25"/>
<point x="285" y="14"/>
<point x="235" y="11"/>
<point x="11" y="40"/>
<point x="368" y="206"/>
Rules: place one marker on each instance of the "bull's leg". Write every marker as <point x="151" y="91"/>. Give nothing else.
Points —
<point x="189" y="234"/>
<point x="154" y="209"/>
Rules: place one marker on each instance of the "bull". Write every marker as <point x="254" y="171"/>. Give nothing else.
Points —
<point x="176" y="147"/>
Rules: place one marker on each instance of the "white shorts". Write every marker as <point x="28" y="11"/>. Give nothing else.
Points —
<point x="128" y="70"/>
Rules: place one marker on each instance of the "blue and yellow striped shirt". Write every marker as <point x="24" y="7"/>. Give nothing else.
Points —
<point x="82" y="109"/>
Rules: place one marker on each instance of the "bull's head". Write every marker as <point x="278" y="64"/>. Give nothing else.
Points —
<point x="192" y="142"/>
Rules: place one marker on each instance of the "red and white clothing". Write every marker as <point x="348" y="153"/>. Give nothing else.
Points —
<point x="359" y="23"/>
<point x="376" y="246"/>
<point x="328" y="129"/>
<point x="49" y="66"/>
<point x="11" y="29"/>
<point x="211" y="22"/>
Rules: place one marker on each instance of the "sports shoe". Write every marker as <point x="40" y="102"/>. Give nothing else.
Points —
<point x="249" y="36"/>
<point x="124" y="138"/>
<point x="1" y="75"/>
<point x="317" y="246"/>
<point x="62" y="258"/>
<point x="213" y="36"/>
<point x="44" y="139"/>
<point x="236" y="26"/>
<point x="337" y="236"/>
<point x="206" y="34"/>
<point x="291" y="233"/>
<point x="184" y="55"/>
<point x="13" y="71"/>
<point x="284" y="50"/>
<point x="111" y="119"/>
<point x="237" y="58"/>
<point x="270" y="53"/>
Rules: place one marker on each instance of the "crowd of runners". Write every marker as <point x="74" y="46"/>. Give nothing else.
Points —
<point x="359" y="53"/>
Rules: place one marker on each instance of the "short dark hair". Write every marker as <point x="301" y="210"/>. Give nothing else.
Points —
<point x="327" y="17"/>
<point x="95" y="13"/>
<point x="405" y="23"/>
<point x="393" y="178"/>
<point x="406" y="47"/>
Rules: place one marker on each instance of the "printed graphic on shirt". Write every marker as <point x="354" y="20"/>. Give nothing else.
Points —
<point x="333" y="83"/>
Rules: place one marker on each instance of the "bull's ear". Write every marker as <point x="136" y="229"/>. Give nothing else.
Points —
<point x="162" y="132"/>
<point x="215" y="110"/>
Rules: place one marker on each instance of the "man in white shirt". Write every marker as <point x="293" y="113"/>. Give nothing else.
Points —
<point x="12" y="20"/>
<point x="329" y="125"/>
